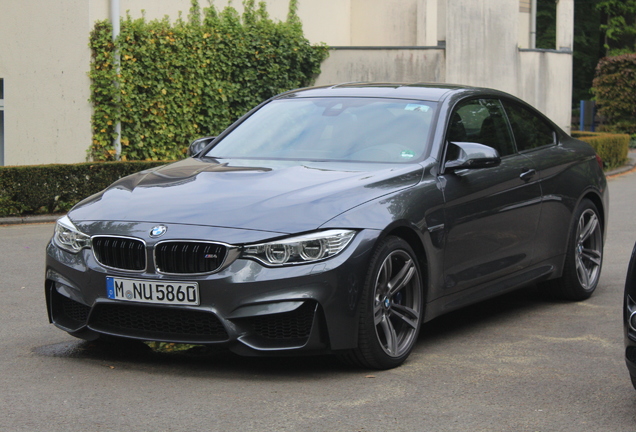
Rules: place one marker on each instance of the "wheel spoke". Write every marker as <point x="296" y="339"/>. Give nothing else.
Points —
<point x="582" y="271"/>
<point x="377" y="313"/>
<point x="402" y="278"/>
<point x="588" y="229"/>
<point x="406" y="314"/>
<point x="592" y="256"/>
<point x="384" y="277"/>
<point x="389" y="335"/>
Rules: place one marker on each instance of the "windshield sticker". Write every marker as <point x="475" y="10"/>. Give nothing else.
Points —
<point x="417" y="107"/>
<point x="408" y="154"/>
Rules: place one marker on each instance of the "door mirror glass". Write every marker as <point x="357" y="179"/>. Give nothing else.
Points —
<point x="198" y="145"/>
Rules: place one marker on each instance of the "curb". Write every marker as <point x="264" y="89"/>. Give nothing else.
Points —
<point x="28" y="219"/>
<point x="629" y="166"/>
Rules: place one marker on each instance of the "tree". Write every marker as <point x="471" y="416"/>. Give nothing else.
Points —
<point x="588" y="48"/>
<point x="614" y="89"/>
<point x="619" y="25"/>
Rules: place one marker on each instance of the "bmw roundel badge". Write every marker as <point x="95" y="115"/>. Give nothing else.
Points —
<point x="158" y="231"/>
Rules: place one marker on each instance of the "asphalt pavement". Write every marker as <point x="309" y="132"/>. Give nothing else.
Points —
<point x="521" y="362"/>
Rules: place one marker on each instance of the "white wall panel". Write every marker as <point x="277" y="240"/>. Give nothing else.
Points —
<point x="383" y="65"/>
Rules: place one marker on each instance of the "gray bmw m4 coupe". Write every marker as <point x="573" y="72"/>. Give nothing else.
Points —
<point x="335" y="220"/>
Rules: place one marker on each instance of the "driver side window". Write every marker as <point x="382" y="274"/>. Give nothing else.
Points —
<point x="480" y="121"/>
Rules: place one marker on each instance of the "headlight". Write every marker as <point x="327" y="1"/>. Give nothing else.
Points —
<point x="68" y="237"/>
<point x="302" y="249"/>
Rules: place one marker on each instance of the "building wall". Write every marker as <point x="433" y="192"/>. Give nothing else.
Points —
<point x="324" y="21"/>
<point x="155" y="9"/>
<point x="545" y="81"/>
<point x="46" y="90"/>
<point x="383" y="65"/>
<point x="44" y="57"/>
<point x="44" y="62"/>
<point x="484" y="55"/>
<point x="327" y="21"/>
<point x="384" y="22"/>
<point x="487" y="55"/>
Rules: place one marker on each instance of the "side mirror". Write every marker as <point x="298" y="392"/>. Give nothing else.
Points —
<point x="472" y="156"/>
<point x="198" y="145"/>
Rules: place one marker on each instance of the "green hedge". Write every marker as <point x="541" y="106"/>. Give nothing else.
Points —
<point x="192" y="78"/>
<point x="612" y="148"/>
<point x="37" y="189"/>
<point x="613" y="88"/>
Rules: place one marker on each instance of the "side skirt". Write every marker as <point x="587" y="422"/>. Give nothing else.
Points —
<point x="537" y="273"/>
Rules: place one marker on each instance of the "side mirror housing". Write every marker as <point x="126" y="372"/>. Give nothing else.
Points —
<point x="198" y="145"/>
<point x="473" y="156"/>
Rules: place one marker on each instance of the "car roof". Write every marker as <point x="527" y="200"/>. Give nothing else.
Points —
<point x="433" y="92"/>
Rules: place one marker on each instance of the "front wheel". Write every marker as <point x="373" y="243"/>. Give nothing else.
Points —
<point x="390" y="309"/>
<point x="584" y="256"/>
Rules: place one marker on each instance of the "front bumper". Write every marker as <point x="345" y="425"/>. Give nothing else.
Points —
<point x="250" y="308"/>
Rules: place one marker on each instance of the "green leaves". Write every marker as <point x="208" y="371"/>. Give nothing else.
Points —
<point x="33" y="189"/>
<point x="620" y="29"/>
<point x="612" y="148"/>
<point x="613" y="88"/>
<point x="193" y="78"/>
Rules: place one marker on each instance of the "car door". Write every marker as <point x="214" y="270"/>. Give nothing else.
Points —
<point x="491" y="213"/>
<point x="536" y="139"/>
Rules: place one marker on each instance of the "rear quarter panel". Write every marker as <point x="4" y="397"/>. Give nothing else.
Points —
<point x="569" y="172"/>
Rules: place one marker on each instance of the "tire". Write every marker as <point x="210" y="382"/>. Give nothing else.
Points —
<point x="390" y="310"/>
<point x="584" y="256"/>
<point x="633" y="378"/>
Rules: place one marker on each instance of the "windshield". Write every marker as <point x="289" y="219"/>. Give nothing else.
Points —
<point x="333" y="129"/>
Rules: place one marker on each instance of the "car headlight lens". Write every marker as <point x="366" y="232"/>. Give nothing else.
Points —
<point x="68" y="237"/>
<point x="302" y="249"/>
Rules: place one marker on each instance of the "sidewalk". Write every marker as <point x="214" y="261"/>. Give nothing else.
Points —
<point x="629" y="166"/>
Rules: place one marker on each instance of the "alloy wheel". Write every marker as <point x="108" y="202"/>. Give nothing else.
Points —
<point x="396" y="307"/>
<point x="588" y="254"/>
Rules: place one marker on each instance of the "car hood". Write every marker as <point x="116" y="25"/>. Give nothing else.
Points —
<point x="274" y="196"/>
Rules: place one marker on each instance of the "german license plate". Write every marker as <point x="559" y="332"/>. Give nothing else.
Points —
<point x="152" y="291"/>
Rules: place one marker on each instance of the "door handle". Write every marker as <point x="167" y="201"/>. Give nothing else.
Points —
<point x="527" y="174"/>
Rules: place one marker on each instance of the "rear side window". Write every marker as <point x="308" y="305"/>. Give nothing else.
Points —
<point x="529" y="129"/>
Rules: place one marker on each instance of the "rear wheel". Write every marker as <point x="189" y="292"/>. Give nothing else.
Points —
<point x="390" y="309"/>
<point x="584" y="256"/>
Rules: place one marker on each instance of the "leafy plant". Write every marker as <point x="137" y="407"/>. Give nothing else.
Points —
<point x="192" y="78"/>
<point x="620" y="26"/>
<point x="170" y="347"/>
<point x="613" y="87"/>
<point x="34" y="189"/>
<point x="612" y="148"/>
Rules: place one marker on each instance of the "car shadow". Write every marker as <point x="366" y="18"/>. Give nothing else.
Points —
<point x="134" y="355"/>
<point x="506" y="306"/>
<point x="200" y="359"/>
